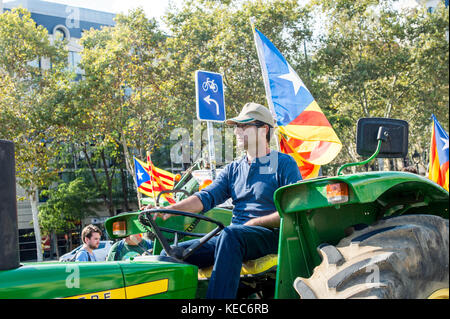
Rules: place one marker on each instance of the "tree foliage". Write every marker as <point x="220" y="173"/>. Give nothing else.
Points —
<point x="67" y="204"/>
<point x="29" y="95"/>
<point x="217" y="36"/>
<point x="358" y="58"/>
<point x="378" y="61"/>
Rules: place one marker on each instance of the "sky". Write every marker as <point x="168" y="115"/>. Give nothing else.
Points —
<point x="157" y="8"/>
<point x="152" y="8"/>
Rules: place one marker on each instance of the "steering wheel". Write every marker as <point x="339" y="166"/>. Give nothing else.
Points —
<point x="168" y="191"/>
<point x="146" y="218"/>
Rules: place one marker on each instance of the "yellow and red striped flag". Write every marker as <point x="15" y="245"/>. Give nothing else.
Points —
<point x="151" y="180"/>
<point x="310" y="138"/>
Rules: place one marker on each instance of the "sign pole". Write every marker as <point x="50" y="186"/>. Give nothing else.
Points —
<point x="150" y="163"/>
<point x="211" y="149"/>
<point x="209" y="93"/>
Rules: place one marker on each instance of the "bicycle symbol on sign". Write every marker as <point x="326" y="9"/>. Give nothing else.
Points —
<point x="209" y="84"/>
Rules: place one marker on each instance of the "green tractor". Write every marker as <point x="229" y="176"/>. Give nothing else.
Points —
<point x="366" y="235"/>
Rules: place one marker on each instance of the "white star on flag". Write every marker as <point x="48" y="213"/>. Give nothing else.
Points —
<point x="445" y="143"/>
<point x="294" y="78"/>
<point x="140" y="174"/>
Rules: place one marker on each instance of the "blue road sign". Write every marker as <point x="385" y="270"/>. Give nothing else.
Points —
<point x="210" y="98"/>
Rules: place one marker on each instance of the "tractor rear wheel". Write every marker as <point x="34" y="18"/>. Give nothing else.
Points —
<point x="403" y="257"/>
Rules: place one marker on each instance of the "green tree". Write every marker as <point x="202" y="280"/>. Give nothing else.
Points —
<point x="428" y="37"/>
<point x="66" y="206"/>
<point x="375" y="60"/>
<point x="29" y="94"/>
<point x="120" y="111"/>
<point x="217" y="36"/>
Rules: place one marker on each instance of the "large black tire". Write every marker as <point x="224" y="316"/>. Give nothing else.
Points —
<point x="404" y="257"/>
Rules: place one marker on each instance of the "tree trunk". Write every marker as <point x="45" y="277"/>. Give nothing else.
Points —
<point x="110" y="203"/>
<point x="70" y="241"/>
<point x="37" y="230"/>
<point x="124" y="188"/>
<point x="127" y="158"/>
<point x="129" y="167"/>
<point x="55" y="244"/>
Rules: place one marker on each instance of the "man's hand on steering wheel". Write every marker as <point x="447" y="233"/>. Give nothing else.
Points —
<point x="170" y="207"/>
<point x="178" y="252"/>
<point x="158" y="214"/>
<point x="191" y="204"/>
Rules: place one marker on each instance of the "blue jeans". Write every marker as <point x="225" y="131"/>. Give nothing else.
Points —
<point x="227" y="251"/>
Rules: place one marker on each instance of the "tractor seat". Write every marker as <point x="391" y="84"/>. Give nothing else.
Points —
<point x="249" y="268"/>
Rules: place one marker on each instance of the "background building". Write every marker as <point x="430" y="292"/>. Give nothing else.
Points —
<point x="64" y="21"/>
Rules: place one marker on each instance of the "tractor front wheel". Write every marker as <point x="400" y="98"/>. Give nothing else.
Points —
<point x="404" y="257"/>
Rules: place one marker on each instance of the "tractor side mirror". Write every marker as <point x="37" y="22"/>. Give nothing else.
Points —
<point x="393" y="132"/>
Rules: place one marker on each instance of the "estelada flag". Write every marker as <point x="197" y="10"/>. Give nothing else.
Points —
<point x="152" y="180"/>
<point x="298" y="116"/>
<point x="438" y="166"/>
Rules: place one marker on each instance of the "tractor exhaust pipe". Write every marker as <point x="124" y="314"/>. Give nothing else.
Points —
<point x="9" y="235"/>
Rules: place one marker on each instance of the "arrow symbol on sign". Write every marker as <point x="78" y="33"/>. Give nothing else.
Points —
<point x="208" y="99"/>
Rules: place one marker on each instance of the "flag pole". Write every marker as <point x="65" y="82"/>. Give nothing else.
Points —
<point x="265" y="79"/>
<point x="150" y="163"/>
<point x="137" y="187"/>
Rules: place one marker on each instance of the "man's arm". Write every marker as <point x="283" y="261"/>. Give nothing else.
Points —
<point x="191" y="204"/>
<point x="209" y="197"/>
<point x="268" y="221"/>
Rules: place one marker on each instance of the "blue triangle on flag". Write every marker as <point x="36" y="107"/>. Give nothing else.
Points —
<point x="142" y="175"/>
<point x="288" y="92"/>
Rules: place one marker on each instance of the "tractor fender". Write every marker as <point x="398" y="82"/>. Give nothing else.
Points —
<point x="363" y="188"/>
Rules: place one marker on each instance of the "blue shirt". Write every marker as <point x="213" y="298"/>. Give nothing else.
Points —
<point x="82" y="255"/>
<point x="251" y="186"/>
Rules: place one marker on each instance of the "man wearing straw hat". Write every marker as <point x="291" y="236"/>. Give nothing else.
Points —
<point x="250" y="182"/>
